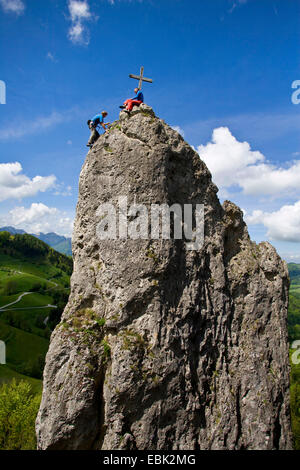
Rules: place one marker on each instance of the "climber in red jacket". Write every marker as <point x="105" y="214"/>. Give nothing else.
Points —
<point x="136" y="100"/>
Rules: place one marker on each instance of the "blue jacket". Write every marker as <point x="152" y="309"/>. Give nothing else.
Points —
<point x="98" y="119"/>
<point x="139" y="96"/>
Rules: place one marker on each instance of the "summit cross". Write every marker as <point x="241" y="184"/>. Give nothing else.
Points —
<point x="141" y="78"/>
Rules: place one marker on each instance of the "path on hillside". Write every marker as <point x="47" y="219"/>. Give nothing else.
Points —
<point x="16" y="301"/>
<point x="27" y="308"/>
<point x="57" y="286"/>
<point x="4" y="307"/>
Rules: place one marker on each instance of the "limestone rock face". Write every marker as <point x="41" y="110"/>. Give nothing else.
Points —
<point x="159" y="346"/>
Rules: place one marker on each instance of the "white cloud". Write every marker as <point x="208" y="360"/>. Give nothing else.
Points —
<point x="79" y="10"/>
<point x="51" y="57"/>
<point x="291" y="258"/>
<point x="178" y="129"/>
<point x="39" y="218"/>
<point x="234" y="163"/>
<point x="20" y="215"/>
<point x="225" y="156"/>
<point x="79" y="13"/>
<point x="13" y="6"/>
<point x="76" y="33"/>
<point x="262" y="127"/>
<point x="283" y="224"/>
<point x="15" y="185"/>
<point x="30" y="127"/>
<point x="37" y="125"/>
<point x="62" y="190"/>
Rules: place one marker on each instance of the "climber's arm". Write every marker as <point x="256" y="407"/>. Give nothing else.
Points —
<point x="105" y="125"/>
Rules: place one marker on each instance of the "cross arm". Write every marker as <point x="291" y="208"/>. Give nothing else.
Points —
<point x="143" y="78"/>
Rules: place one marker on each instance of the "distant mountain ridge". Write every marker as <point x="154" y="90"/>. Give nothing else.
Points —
<point x="57" y="242"/>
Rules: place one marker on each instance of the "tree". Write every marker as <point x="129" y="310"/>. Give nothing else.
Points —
<point x="4" y="239"/>
<point x="18" y="410"/>
<point x="11" y="287"/>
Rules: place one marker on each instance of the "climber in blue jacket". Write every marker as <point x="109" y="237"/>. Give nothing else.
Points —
<point x="93" y="124"/>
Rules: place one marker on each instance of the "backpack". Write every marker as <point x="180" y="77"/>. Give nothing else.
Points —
<point x="95" y="123"/>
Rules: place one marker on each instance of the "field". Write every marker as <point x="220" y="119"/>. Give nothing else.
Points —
<point x="295" y="290"/>
<point x="7" y="375"/>
<point x="33" y="292"/>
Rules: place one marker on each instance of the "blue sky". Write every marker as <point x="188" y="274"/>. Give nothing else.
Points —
<point x="223" y="73"/>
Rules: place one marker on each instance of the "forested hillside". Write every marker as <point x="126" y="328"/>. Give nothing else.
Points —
<point x="34" y="288"/>
<point x="294" y="305"/>
<point x="294" y="335"/>
<point x="57" y="242"/>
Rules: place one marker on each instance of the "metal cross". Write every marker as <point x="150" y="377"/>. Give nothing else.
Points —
<point x="141" y="78"/>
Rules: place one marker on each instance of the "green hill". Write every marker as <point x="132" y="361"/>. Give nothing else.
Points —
<point x="34" y="288"/>
<point x="57" y="242"/>
<point x="294" y="270"/>
<point x="294" y="305"/>
<point x="294" y="334"/>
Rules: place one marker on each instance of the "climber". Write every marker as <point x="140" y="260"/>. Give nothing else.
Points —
<point x="93" y="124"/>
<point x="137" y="100"/>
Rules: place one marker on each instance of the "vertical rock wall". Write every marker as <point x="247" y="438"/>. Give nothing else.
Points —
<point x="160" y="347"/>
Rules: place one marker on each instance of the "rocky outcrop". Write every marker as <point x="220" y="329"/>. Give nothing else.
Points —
<point x="162" y="347"/>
